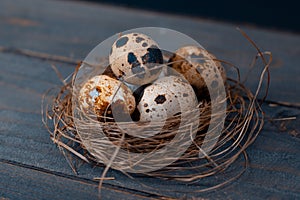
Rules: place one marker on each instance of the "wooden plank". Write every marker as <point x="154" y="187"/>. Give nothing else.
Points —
<point x="73" y="28"/>
<point x="24" y="140"/>
<point x="19" y="182"/>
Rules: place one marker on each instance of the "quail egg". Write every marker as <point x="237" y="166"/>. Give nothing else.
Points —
<point x="165" y="98"/>
<point x="198" y="67"/>
<point x="101" y="91"/>
<point x="136" y="58"/>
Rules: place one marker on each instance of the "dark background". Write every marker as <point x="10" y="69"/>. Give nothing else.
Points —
<point x="280" y="15"/>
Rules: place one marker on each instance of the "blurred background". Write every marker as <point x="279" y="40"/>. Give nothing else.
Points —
<point x="276" y="14"/>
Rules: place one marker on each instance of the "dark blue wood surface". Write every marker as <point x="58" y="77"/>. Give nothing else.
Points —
<point x="31" y="166"/>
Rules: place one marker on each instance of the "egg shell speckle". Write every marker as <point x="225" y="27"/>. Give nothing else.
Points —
<point x="196" y="71"/>
<point x="135" y="57"/>
<point x="165" y="98"/>
<point x="101" y="91"/>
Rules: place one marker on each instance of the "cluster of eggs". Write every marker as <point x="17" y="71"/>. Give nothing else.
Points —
<point x="136" y="59"/>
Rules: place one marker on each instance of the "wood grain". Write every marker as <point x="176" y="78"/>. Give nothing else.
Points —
<point x="72" y="29"/>
<point x="23" y="182"/>
<point x="23" y="139"/>
<point x="31" y="166"/>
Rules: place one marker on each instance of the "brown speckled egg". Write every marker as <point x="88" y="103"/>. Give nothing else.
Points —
<point x="166" y="97"/>
<point x="101" y="91"/>
<point x="135" y="57"/>
<point x="196" y="64"/>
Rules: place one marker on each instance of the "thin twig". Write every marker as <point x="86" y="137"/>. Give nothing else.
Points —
<point x="39" y="55"/>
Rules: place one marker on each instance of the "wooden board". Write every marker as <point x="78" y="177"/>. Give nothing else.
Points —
<point x="31" y="163"/>
<point x="19" y="181"/>
<point x="73" y="29"/>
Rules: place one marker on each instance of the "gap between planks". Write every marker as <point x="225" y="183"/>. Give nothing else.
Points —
<point x="86" y="180"/>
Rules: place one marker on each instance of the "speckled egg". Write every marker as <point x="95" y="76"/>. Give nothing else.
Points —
<point x="196" y="64"/>
<point x="166" y="97"/>
<point x="135" y="57"/>
<point x="101" y="91"/>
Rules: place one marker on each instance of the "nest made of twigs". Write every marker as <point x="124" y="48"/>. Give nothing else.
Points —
<point x="244" y="120"/>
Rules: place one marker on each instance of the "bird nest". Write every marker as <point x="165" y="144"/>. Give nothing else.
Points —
<point x="118" y="149"/>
